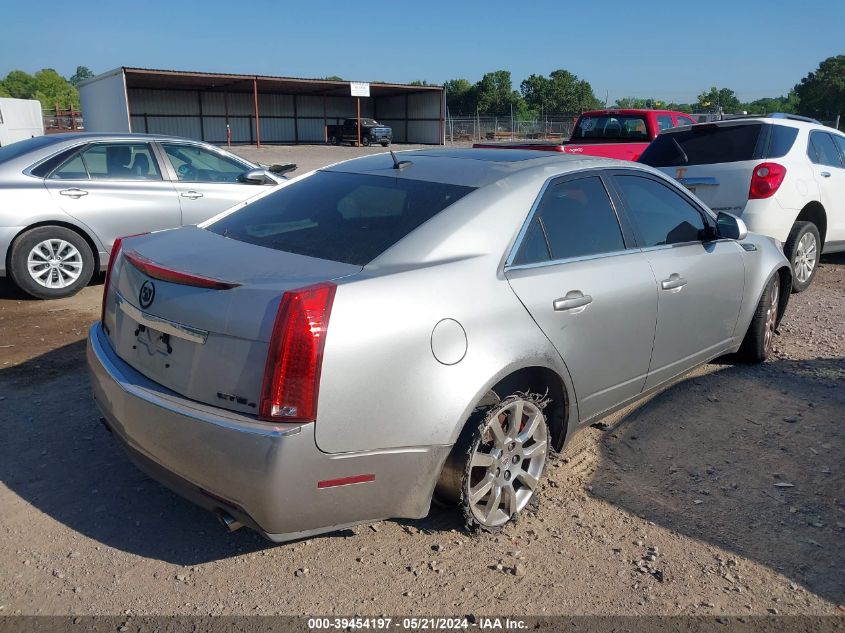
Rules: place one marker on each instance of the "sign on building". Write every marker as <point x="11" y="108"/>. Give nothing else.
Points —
<point x="359" y="88"/>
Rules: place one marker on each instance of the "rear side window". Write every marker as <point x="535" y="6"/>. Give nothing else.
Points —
<point x="46" y="168"/>
<point x="822" y="150"/>
<point x="350" y="218"/>
<point x="781" y="141"/>
<point x="662" y="216"/>
<point x="705" y="145"/>
<point x="576" y="219"/>
<point x="120" y="161"/>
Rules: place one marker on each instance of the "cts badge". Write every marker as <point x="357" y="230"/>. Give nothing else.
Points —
<point x="147" y="294"/>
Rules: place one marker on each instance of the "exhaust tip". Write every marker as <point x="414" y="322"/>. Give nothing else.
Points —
<point x="228" y="521"/>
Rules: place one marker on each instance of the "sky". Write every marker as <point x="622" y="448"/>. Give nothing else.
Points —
<point x="664" y="50"/>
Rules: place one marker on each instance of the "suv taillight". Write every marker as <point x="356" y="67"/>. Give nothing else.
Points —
<point x="115" y="251"/>
<point x="295" y="358"/>
<point x="765" y="180"/>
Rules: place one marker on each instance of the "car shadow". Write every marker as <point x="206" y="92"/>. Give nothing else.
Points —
<point x="56" y="456"/>
<point x="8" y="290"/>
<point x="748" y="459"/>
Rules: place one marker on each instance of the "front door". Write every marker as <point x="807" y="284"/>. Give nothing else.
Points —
<point x="207" y="182"/>
<point x="593" y="298"/>
<point x="699" y="280"/>
<point x="827" y="154"/>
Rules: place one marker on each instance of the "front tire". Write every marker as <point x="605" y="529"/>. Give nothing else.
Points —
<point x="757" y="344"/>
<point x="802" y="248"/>
<point x="365" y="141"/>
<point x="51" y="262"/>
<point x="493" y="472"/>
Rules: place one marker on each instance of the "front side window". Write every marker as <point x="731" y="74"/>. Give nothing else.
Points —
<point x="197" y="164"/>
<point x="662" y="216"/>
<point x="840" y="143"/>
<point x="350" y="218"/>
<point x="822" y="150"/>
<point x="115" y="161"/>
<point x="574" y="219"/>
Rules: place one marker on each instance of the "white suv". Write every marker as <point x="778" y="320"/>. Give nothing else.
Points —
<point x="783" y="174"/>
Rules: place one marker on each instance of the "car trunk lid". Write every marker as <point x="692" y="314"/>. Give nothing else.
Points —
<point x="194" y="310"/>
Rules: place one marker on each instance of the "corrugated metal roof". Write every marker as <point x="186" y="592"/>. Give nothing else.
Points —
<point x="233" y="82"/>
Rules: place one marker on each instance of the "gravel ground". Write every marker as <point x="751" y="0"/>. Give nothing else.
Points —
<point x="724" y="494"/>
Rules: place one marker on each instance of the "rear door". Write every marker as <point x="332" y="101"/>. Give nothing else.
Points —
<point x="116" y="189"/>
<point x="593" y="297"/>
<point x="827" y="153"/>
<point x="699" y="281"/>
<point x="207" y="181"/>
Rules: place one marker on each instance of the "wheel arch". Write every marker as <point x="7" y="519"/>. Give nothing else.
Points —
<point x="814" y="212"/>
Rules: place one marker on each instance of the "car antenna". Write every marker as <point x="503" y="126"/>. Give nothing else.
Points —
<point x="399" y="164"/>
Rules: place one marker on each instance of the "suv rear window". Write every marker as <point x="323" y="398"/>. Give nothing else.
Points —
<point x="709" y="144"/>
<point x="350" y="218"/>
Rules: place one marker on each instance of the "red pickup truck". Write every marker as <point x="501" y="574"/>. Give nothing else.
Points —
<point x="611" y="133"/>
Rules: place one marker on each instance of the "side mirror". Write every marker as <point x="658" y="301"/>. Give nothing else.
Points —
<point x="730" y="227"/>
<point x="259" y="177"/>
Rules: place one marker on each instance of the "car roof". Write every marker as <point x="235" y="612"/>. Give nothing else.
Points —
<point x="470" y="167"/>
<point x="767" y="120"/>
<point x="75" y="136"/>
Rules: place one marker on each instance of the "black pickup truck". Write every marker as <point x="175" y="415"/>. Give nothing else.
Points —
<point x="371" y="132"/>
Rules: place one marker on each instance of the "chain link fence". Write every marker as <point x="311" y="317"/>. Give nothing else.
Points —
<point x="495" y="128"/>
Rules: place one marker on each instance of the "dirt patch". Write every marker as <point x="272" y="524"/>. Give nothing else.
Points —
<point x="721" y="495"/>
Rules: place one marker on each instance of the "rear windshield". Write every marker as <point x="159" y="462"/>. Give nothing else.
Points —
<point x="14" y="150"/>
<point x="350" y="218"/>
<point x="709" y="144"/>
<point x="618" y="127"/>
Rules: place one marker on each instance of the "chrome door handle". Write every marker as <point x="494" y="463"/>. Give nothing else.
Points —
<point x="825" y="174"/>
<point x="573" y="300"/>
<point x="675" y="282"/>
<point x="73" y="193"/>
<point x="193" y="195"/>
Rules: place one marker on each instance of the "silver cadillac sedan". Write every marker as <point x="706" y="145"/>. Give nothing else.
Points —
<point x="64" y="199"/>
<point x="348" y="345"/>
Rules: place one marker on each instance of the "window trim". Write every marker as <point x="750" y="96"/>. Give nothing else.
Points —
<point x="599" y="172"/>
<point x="707" y="215"/>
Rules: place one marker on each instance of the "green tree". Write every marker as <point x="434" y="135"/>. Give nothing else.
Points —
<point x="420" y="82"/>
<point x="636" y="102"/>
<point x="82" y="73"/>
<point x="717" y="99"/>
<point x="460" y="97"/>
<point x="681" y="107"/>
<point x="822" y="92"/>
<point x="334" y="78"/>
<point x="495" y="93"/>
<point x="52" y="89"/>
<point x="19" y="84"/>
<point x="767" y="105"/>
<point x="3" y="91"/>
<point x="560" y="92"/>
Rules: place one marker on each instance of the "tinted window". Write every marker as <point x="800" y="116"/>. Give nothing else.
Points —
<point x="578" y="220"/>
<point x="196" y="164"/>
<point x="662" y="216"/>
<point x="120" y="161"/>
<point x="704" y="145"/>
<point x="840" y="142"/>
<point x="44" y="169"/>
<point x="351" y="218"/>
<point x="682" y="120"/>
<point x="822" y="151"/>
<point x="611" y="126"/>
<point x="534" y="248"/>
<point x="781" y="141"/>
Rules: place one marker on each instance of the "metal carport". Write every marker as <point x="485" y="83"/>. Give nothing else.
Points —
<point x="256" y="108"/>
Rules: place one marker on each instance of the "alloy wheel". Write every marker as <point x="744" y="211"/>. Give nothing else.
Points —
<point x="771" y="316"/>
<point x="54" y="263"/>
<point x="506" y="462"/>
<point x="805" y="257"/>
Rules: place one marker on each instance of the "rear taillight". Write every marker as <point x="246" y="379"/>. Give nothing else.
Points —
<point x="292" y="373"/>
<point x="765" y="180"/>
<point x="115" y="251"/>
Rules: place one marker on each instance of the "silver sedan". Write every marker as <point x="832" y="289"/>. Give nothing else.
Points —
<point x="366" y="336"/>
<point x="65" y="198"/>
